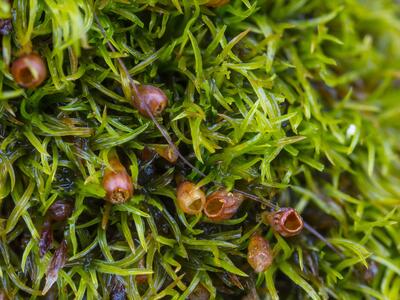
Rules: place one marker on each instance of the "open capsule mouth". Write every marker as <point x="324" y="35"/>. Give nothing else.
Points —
<point x="214" y="208"/>
<point x="292" y="222"/>
<point x="119" y="196"/>
<point x="190" y="198"/>
<point x="196" y="205"/>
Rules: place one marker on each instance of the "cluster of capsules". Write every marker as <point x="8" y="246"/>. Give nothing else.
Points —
<point x="29" y="71"/>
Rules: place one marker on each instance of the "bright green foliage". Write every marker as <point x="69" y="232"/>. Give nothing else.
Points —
<point x="296" y="101"/>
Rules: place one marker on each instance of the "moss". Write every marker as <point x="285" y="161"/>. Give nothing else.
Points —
<point x="294" y="102"/>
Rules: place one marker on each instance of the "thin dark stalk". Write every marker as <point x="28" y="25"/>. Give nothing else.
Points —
<point x="149" y="112"/>
<point x="168" y="139"/>
<point x="322" y="238"/>
<point x="255" y="198"/>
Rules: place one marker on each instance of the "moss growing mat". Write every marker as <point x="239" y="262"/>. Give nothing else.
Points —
<point x="295" y="102"/>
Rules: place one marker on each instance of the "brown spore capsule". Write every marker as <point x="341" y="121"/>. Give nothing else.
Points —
<point x="222" y="205"/>
<point x="217" y="3"/>
<point x="259" y="254"/>
<point x="152" y="97"/>
<point x="190" y="198"/>
<point x="117" y="182"/>
<point x="29" y="71"/>
<point x="60" y="210"/>
<point x="286" y="221"/>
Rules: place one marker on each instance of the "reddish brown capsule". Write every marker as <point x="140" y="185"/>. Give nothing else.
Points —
<point x="286" y="221"/>
<point x="153" y="97"/>
<point x="117" y="182"/>
<point x="190" y="198"/>
<point x="167" y="152"/>
<point x="222" y="205"/>
<point x="217" y="3"/>
<point x="60" y="211"/>
<point x="29" y="70"/>
<point x="259" y="254"/>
